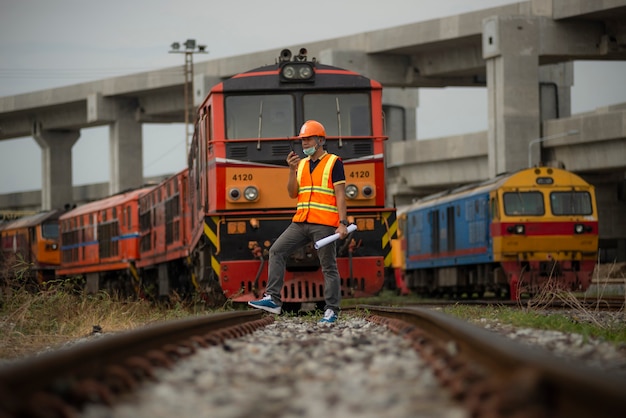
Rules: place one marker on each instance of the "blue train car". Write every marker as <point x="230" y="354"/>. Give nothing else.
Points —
<point x="515" y="233"/>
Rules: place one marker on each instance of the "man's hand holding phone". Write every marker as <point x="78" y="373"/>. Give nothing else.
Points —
<point x="293" y="160"/>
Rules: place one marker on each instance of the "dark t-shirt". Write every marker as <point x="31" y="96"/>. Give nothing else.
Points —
<point x="338" y="172"/>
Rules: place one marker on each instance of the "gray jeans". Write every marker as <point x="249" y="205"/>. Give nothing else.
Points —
<point x="295" y="236"/>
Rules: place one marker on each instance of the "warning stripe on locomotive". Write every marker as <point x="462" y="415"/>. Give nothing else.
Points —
<point x="389" y="222"/>
<point x="391" y="227"/>
<point x="211" y="225"/>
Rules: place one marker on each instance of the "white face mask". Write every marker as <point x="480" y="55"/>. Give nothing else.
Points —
<point x="309" y="151"/>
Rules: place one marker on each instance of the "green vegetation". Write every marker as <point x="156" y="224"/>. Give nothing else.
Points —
<point x="33" y="319"/>
<point x="31" y="322"/>
<point x="577" y="321"/>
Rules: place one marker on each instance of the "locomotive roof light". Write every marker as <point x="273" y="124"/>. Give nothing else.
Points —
<point x="297" y="72"/>
<point x="251" y="193"/>
<point x="351" y="191"/>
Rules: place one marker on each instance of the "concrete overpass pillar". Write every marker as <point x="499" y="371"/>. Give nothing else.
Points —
<point x="126" y="149"/>
<point x="555" y="86"/>
<point x="510" y="48"/>
<point x="56" y="166"/>
<point x="400" y="106"/>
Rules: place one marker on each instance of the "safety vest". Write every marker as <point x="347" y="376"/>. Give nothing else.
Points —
<point x="316" y="195"/>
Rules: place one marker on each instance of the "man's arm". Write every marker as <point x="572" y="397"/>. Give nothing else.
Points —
<point x="340" y="196"/>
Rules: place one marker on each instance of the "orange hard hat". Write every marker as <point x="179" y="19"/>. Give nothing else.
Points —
<point x="312" y="128"/>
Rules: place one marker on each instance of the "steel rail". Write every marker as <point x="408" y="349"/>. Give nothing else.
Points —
<point x="563" y="389"/>
<point x="20" y="380"/>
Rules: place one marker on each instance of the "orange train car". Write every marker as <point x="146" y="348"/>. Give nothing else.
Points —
<point x="516" y="233"/>
<point x="165" y="238"/>
<point x="31" y="245"/>
<point x="100" y="243"/>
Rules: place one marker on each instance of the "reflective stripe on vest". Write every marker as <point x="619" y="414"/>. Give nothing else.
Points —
<point x="316" y="194"/>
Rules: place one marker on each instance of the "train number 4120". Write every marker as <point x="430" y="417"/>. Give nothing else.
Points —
<point x="359" y="174"/>
<point x="242" y="177"/>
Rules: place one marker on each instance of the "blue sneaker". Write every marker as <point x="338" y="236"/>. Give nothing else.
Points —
<point x="330" y="317"/>
<point x="267" y="304"/>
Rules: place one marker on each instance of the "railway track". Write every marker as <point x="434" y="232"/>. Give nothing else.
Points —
<point x="496" y="377"/>
<point x="56" y="383"/>
<point x="607" y="303"/>
<point x="481" y="373"/>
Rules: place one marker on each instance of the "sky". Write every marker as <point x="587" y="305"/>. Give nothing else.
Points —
<point x="46" y="44"/>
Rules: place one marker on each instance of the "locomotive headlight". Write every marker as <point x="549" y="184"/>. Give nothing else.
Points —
<point x="367" y="191"/>
<point x="351" y="191"/>
<point x="305" y="72"/>
<point x="251" y="193"/>
<point x="517" y="229"/>
<point x="579" y="228"/>
<point x="289" y="72"/>
<point x="234" y="193"/>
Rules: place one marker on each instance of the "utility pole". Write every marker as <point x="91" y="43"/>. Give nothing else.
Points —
<point x="190" y="49"/>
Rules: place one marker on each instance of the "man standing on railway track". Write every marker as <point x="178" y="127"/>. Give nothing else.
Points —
<point x="318" y="181"/>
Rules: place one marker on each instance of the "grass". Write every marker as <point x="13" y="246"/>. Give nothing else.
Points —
<point x="576" y="322"/>
<point x="31" y="322"/>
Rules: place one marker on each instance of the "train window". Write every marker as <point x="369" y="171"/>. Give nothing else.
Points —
<point x="260" y="116"/>
<point x="210" y="123"/>
<point x="571" y="203"/>
<point x="523" y="203"/>
<point x="353" y="109"/>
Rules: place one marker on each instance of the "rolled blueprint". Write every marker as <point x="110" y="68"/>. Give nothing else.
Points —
<point x="324" y="241"/>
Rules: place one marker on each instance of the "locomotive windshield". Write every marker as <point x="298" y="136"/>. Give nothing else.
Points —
<point x="570" y="203"/>
<point x="50" y="230"/>
<point x="260" y="116"/>
<point x="273" y="116"/>
<point x="523" y="203"/>
<point x="351" y="112"/>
